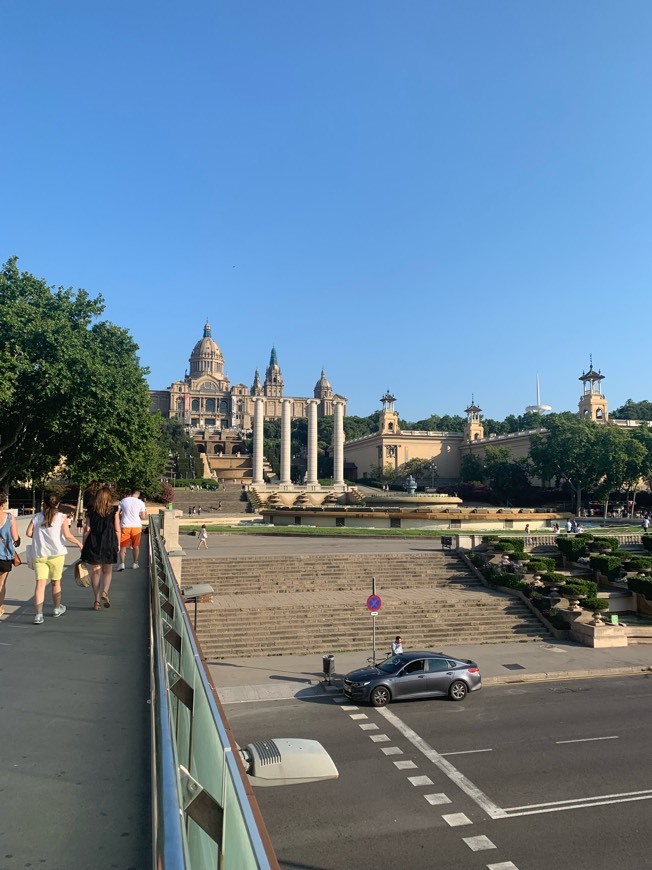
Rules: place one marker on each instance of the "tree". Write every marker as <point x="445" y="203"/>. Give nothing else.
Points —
<point x="471" y="469"/>
<point x="622" y="458"/>
<point x="508" y="478"/>
<point x="634" y="411"/>
<point x="72" y="388"/>
<point x="176" y="442"/>
<point x="569" y="450"/>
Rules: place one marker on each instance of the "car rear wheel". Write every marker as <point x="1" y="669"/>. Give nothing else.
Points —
<point x="380" y="696"/>
<point x="457" y="691"/>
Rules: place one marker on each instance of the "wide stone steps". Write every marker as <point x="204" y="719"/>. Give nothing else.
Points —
<point x="312" y="573"/>
<point x="274" y="605"/>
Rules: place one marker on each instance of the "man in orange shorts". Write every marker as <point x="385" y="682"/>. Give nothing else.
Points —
<point x="132" y="514"/>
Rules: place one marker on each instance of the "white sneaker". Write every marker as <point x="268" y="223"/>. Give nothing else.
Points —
<point x="59" y="611"/>
<point x="38" y="619"/>
<point x="136" y="565"/>
<point x="121" y="566"/>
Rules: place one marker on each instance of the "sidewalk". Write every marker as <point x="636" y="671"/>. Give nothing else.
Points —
<point x="75" y="765"/>
<point x="280" y="677"/>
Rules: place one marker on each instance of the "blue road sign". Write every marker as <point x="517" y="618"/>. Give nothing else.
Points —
<point x="374" y="602"/>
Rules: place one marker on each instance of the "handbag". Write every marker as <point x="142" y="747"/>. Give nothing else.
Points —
<point x="81" y="574"/>
<point x="16" y="558"/>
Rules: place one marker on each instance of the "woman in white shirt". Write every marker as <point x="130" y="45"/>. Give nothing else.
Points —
<point x="49" y="530"/>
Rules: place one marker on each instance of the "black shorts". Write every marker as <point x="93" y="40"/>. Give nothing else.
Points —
<point x="6" y="565"/>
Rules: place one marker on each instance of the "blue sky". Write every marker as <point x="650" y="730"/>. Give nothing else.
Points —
<point x="434" y="197"/>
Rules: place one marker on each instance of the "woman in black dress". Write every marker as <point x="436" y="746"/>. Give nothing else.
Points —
<point x="101" y="542"/>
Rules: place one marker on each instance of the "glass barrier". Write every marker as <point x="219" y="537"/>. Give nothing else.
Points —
<point x="202" y="813"/>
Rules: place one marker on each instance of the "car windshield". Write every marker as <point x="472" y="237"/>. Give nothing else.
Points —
<point x="390" y="666"/>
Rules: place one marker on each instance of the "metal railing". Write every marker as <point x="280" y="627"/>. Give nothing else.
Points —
<point x="202" y="812"/>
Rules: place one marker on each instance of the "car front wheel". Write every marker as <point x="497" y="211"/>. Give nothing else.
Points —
<point x="380" y="696"/>
<point x="457" y="691"/>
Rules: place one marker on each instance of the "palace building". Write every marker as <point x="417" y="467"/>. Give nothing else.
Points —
<point x="218" y="414"/>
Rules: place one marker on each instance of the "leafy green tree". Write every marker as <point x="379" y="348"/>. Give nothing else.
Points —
<point x="569" y="450"/>
<point x="471" y="469"/>
<point x="420" y="469"/>
<point x="176" y="442"/>
<point x="73" y="388"/>
<point x="508" y="478"/>
<point x="634" y="411"/>
<point x="622" y="458"/>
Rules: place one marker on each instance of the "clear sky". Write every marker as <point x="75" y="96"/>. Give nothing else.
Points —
<point x="434" y="197"/>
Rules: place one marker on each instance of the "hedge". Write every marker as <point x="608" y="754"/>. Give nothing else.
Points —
<point x="595" y="603"/>
<point x="572" y="548"/>
<point x="540" y="565"/>
<point x="642" y="585"/>
<point x="638" y="563"/>
<point x="609" y="566"/>
<point x="647" y="542"/>
<point x="554" y="578"/>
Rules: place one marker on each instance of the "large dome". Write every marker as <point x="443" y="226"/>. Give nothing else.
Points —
<point x="206" y="356"/>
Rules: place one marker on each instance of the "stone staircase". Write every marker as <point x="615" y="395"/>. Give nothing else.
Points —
<point x="233" y="500"/>
<point x="276" y="605"/>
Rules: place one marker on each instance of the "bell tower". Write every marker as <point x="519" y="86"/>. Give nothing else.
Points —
<point x="473" y="428"/>
<point x="593" y="403"/>
<point x="388" y="421"/>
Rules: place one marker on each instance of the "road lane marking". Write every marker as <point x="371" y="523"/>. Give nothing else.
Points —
<point x="587" y="739"/>
<point x="358" y="716"/>
<point x="504" y="865"/>
<point x="455" y="820"/>
<point x="436" y="799"/>
<point x="420" y="780"/>
<point x="405" y="765"/>
<point x="346" y="708"/>
<point x="391" y="750"/>
<point x="465" y="752"/>
<point x="619" y="797"/>
<point x="480" y="798"/>
<point x="578" y="806"/>
<point x="379" y="738"/>
<point x="478" y="844"/>
<point x="369" y="726"/>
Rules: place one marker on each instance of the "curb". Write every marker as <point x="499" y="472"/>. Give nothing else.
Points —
<point x="630" y="670"/>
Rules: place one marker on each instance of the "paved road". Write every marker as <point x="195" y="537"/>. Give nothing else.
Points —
<point x="528" y="777"/>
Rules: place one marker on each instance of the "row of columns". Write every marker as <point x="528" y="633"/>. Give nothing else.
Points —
<point x="286" y="453"/>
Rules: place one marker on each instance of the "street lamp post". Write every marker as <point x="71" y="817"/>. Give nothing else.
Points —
<point x="433" y="472"/>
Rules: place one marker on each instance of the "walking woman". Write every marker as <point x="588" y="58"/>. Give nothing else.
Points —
<point x="8" y="543"/>
<point x="49" y="530"/>
<point x="101" y="542"/>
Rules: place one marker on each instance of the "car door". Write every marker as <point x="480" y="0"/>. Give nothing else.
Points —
<point x="440" y="675"/>
<point x="411" y="681"/>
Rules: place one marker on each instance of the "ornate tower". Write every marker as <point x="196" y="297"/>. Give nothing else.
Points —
<point x="273" y="387"/>
<point x="473" y="428"/>
<point x="593" y="403"/>
<point x="257" y="387"/>
<point x="206" y="357"/>
<point x="388" y="421"/>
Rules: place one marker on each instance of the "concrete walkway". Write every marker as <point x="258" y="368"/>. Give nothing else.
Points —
<point x="75" y="781"/>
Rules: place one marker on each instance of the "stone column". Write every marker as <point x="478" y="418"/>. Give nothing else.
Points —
<point x="286" y="442"/>
<point x="259" y="415"/>
<point x="338" y="445"/>
<point x="312" y="443"/>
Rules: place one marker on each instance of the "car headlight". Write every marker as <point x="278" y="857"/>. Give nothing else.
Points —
<point x="360" y="685"/>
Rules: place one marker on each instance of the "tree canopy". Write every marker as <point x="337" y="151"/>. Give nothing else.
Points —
<point x="72" y="389"/>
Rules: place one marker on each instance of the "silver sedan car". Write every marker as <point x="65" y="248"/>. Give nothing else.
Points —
<point x="413" y="675"/>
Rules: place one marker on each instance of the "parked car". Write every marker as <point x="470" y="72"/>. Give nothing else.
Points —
<point x="413" y="675"/>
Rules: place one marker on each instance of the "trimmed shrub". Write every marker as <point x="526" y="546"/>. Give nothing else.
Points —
<point x="541" y="565"/>
<point x="647" y="542"/>
<point x="489" y="539"/>
<point x="587" y="537"/>
<point x="606" y="543"/>
<point x="511" y="581"/>
<point x="595" y="603"/>
<point x="503" y="547"/>
<point x="517" y="544"/>
<point x="609" y="566"/>
<point x="642" y="585"/>
<point x="572" y="548"/>
<point x="554" y="578"/>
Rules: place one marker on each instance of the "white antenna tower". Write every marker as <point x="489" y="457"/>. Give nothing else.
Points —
<point x="538" y="408"/>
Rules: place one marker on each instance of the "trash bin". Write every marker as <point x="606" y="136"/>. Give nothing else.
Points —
<point x="328" y="665"/>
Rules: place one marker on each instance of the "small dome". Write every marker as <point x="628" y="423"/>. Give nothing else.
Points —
<point x="206" y="356"/>
<point x="323" y="383"/>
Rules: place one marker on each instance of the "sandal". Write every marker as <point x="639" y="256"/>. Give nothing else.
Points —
<point x="105" y="600"/>
<point x="97" y="606"/>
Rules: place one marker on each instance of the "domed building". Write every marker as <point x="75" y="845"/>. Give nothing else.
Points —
<point x="219" y="415"/>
